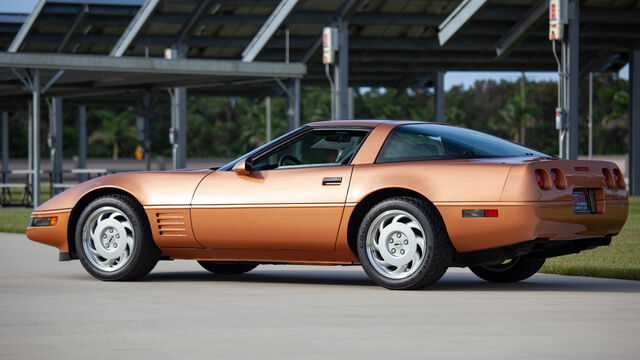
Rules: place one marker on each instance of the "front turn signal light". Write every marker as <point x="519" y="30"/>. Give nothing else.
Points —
<point x="44" y="221"/>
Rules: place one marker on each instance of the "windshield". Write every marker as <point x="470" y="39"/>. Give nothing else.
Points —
<point x="437" y="142"/>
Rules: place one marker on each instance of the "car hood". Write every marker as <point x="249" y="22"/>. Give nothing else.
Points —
<point x="150" y="188"/>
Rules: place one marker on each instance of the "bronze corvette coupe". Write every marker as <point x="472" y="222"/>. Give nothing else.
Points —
<point x="404" y="199"/>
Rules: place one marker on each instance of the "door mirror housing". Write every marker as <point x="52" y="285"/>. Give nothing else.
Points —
<point x="243" y="167"/>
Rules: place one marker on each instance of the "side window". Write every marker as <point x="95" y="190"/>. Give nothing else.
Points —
<point x="316" y="148"/>
<point x="408" y="145"/>
<point x="417" y="142"/>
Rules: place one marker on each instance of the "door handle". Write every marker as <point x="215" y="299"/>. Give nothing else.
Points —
<point x="331" y="181"/>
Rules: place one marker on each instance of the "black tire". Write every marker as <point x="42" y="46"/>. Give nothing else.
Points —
<point x="124" y="218"/>
<point x="434" y="253"/>
<point x="514" y="270"/>
<point x="227" y="268"/>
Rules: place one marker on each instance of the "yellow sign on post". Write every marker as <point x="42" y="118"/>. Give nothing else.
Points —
<point x="139" y="152"/>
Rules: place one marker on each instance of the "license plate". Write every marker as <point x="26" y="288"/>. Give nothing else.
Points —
<point x="583" y="201"/>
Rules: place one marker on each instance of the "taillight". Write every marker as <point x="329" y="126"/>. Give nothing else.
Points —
<point x="608" y="178"/>
<point x="542" y="179"/>
<point x="558" y="179"/>
<point x="617" y="176"/>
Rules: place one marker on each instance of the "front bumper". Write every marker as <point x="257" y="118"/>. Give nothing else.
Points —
<point x="55" y="235"/>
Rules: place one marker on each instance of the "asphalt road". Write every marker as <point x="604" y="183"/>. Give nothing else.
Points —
<point x="56" y="310"/>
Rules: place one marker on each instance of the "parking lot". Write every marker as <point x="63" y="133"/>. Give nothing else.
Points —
<point x="56" y="310"/>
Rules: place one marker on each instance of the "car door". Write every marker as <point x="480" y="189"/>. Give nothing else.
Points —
<point x="292" y="200"/>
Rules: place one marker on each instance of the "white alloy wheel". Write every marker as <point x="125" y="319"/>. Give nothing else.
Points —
<point x="108" y="239"/>
<point x="396" y="244"/>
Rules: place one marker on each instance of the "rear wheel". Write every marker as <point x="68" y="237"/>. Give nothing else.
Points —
<point x="403" y="245"/>
<point x="227" y="268"/>
<point x="511" y="270"/>
<point x="113" y="239"/>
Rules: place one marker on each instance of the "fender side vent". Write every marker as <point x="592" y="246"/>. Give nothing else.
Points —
<point x="171" y="224"/>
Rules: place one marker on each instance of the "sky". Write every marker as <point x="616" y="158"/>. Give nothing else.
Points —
<point x="451" y="78"/>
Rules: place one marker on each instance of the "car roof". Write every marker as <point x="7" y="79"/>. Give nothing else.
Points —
<point x="364" y="122"/>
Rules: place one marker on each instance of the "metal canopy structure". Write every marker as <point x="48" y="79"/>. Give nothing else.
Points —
<point x="387" y="43"/>
<point x="90" y="74"/>
<point x="388" y="40"/>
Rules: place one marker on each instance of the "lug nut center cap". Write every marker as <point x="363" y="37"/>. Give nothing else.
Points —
<point x="397" y="244"/>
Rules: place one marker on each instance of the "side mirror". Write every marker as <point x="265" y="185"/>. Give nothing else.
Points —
<point x="243" y="167"/>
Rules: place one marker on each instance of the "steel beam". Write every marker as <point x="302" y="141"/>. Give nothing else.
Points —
<point x="55" y="138"/>
<point x="519" y="30"/>
<point x="82" y="15"/>
<point x="634" y="123"/>
<point x="458" y="17"/>
<point x="194" y="19"/>
<point x="132" y="31"/>
<point x="5" y="147"/>
<point x="574" y="78"/>
<point x="82" y="141"/>
<point x="268" y="29"/>
<point x="438" y="101"/>
<point x="150" y="65"/>
<point x="18" y="40"/>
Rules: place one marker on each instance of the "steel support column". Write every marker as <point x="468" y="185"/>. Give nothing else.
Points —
<point x="267" y="103"/>
<point x="82" y="140"/>
<point x="634" y="123"/>
<point x="341" y="73"/>
<point x="574" y="77"/>
<point x="30" y="137"/>
<point x="5" y="147"/>
<point x="146" y="108"/>
<point x="55" y="138"/>
<point x="438" y="101"/>
<point x="179" y="126"/>
<point x="179" y="119"/>
<point x="35" y="166"/>
<point x="293" y="104"/>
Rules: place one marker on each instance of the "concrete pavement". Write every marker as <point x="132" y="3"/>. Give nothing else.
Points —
<point x="50" y="309"/>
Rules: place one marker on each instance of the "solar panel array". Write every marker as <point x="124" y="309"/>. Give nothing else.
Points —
<point x="391" y="43"/>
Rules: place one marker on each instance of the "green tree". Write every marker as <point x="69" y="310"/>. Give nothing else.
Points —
<point x="116" y="129"/>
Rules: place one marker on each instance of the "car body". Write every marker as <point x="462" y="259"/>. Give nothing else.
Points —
<point x="445" y="195"/>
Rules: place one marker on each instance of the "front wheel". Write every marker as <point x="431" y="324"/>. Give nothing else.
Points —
<point x="511" y="270"/>
<point x="113" y="240"/>
<point x="403" y="244"/>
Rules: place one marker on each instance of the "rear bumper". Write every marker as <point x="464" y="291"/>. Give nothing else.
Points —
<point x="518" y="222"/>
<point x="536" y="249"/>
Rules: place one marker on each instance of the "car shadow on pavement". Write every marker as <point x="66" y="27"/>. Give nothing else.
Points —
<point x="450" y="282"/>
<point x="539" y="282"/>
<point x="267" y="276"/>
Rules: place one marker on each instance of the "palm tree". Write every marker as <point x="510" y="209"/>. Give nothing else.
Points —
<point x="116" y="129"/>
<point x="516" y="117"/>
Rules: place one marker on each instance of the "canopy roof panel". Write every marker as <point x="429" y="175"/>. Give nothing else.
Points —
<point x="391" y="43"/>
